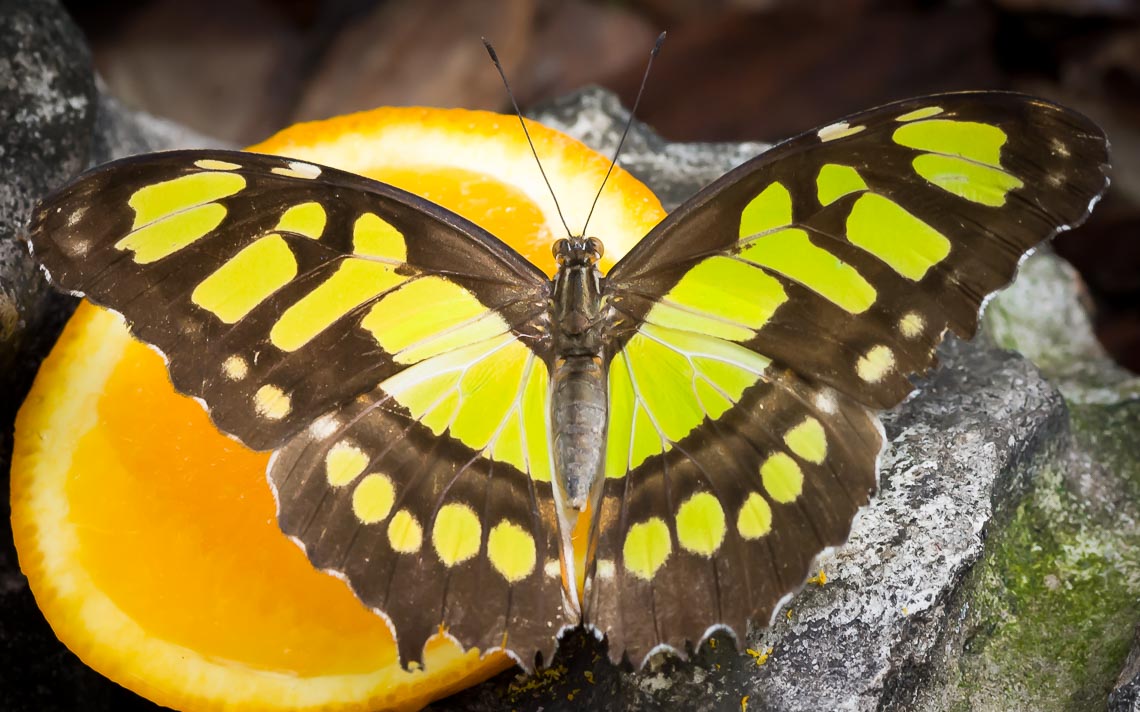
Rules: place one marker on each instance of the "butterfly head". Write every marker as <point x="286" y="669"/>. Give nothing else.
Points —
<point x="577" y="251"/>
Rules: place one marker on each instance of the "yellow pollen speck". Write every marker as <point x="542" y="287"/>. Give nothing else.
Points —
<point x="838" y="131"/>
<point x="819" y="579"/>
<point x="875" y="364"/>
<point x="511" y="550"/>
<point x="758" y="656"/>
<point x="373" y="498"/>
<point x="808" y="440"/>
<point x="456" y="534"/>
<point x="788" y="614"/>
<point x="210" y="164"/>
<point x="744" y="704"/>
<point x="344" y="463"/>
<point x="700" y="524"/>
<point x="272" y="402"/>
<point x="235" y="368"/>
<point x="755" y="518"/>
<point x="647" y="546"/>
<point x="405" y="535"/>
<point x="783" y="478"/>
<point x="911" y="324"/>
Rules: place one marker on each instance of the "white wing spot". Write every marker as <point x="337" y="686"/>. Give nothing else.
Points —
<point x="605" y="570"/>
<point x="272" y="402"/>
<point x="76" y="216"/>
<point x="825" y="401"/>
<point x="1059" y="148"/>
<point x="297" y="169"/>
<point x="875" y="364"/>
<point x="552" y="568"/>
<point x="235" y="368"/>
<point x="911" y="325"/>
<point x="838" y="131"/>
<point x="323" y="427"/>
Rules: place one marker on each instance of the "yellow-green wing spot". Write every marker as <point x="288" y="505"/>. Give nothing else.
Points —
<point x="974" y="182"/>
<point x="247" y="279"/>
<point x="665" y="383"/>
<point x="754" y="519"/>
<point x="512" y="551"/>
<point x="373" y="497"/>
<point x="835" y="181"/>
<point x="173" y="214"/>
<point x="720" y="296"/>
<point x="430" y="316"/>
<point x="793" y="255"/>
<point x="375" y="237"/>
<point x="967" y="139"/>
<point x="492" y="396"/>
<point x="701" y="524"/>
<point x="770" y="209"/>
<point x="456" y="534"/>
<point x="354" y="282"/>
<point x="924" y="113"/>
<point x="307" y="219"/>
<point x="884" y="228"/>
<point x="647" y="547"/>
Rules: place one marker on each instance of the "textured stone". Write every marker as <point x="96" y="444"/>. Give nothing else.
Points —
<point x="47" y="109"/>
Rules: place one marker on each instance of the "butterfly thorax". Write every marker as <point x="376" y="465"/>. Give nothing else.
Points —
<point x="578" y="399"/>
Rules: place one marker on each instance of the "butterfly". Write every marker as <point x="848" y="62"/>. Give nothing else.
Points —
<point x="655" y="452"/>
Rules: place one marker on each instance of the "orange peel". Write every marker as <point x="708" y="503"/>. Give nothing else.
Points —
<point x="149" y="539"/>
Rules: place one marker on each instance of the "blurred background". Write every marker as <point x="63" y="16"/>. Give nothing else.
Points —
<point x="730" y="70"/>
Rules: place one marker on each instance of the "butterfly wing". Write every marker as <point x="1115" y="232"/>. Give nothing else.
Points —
<point x="758" y="327"/>
<point x="389" y="350"/>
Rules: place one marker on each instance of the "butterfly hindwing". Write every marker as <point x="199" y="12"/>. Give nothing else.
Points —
<point x="756" y="329"/>
<point x="426" y="529"/>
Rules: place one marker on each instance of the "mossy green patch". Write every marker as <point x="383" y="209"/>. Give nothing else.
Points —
<point x="1054" y="601"/>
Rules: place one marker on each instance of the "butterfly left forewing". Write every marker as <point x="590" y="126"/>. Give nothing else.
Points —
<point x="275" y="287"/>
<point x="757" y="328"/>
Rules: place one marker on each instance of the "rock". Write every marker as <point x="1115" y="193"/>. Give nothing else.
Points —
<point x="55" y="124"/>
<point x="47" y="109"/>
<point x="1125" y="696"/>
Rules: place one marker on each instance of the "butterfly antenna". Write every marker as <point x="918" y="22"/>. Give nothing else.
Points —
<point x="628" y="123"/>
<point x="518" y="112"/>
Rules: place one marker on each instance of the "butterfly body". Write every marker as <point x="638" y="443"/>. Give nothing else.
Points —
<point x="653" y="452"/>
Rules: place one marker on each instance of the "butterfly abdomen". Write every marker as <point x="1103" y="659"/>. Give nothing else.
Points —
<point x="578" y="421"/>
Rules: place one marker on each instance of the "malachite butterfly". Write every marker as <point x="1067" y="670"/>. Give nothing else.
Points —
<point x="656" y="452"/>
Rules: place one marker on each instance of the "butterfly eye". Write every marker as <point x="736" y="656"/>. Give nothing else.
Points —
<point x="558" y="249"/>
<point x="597" y="248"/>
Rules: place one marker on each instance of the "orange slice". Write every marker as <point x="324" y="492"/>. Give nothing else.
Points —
<point x="149" y="539"/>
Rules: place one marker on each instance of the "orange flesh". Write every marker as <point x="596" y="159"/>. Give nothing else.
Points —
<point x="502" y="209"/>
<point x="190" y="510"/>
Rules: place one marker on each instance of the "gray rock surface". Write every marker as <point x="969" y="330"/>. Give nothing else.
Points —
<point x="55" y="123"/>
<point x="984" y="447"/>
<point x="47" y="109"/>
<point x="1125" y="697"/>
